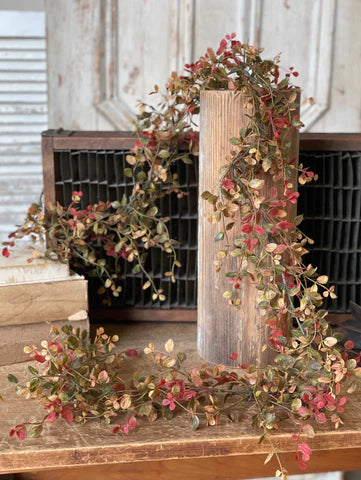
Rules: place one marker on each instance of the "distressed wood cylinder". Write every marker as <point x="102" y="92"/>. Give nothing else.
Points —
<point x="221" y="329"/>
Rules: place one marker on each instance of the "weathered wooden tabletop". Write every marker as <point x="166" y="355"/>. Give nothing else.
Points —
<point x="166" y="449"/>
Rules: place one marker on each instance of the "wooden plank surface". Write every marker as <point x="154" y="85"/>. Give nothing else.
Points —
<point x="40" y="301"/>
<point x="213" y="468"/>
<point x="48" y="172"/>
<point x="329" y="142"/>
<point x="93" y="444"/>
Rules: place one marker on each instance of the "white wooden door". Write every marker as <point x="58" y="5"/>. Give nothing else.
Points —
<point x="23" y="113"/>
<point x="106" y="54"/>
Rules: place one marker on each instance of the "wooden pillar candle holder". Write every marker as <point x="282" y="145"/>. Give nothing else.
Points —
<point x="221" y="329"/>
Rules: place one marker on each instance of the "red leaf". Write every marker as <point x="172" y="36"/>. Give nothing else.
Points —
<point x="273" y="212"/>
<point x="292" y="197"/>
<point x="234" y="356"/>
<point x="77" y="194"/>
<point x="321" y="418"/>
<point x="247" y="228"/>
<point x="52" y="417"/>
<point x="273" y="193"/>
<point x="5" y="252"/>
<point x="222" y="46"/>
<point x="259" y="230"/>
<point x="67" y="414"/>
<point x="132" y="352"/>
<point x="284" y="225"/>
<point x="39" y="358"/>
<point x="21" y="434"/>
<point x="349" y="345"/>
<point x="228" y="184"/>
<point x="132" y="422"/>
<point x="59" y="348"/>
<point x="304" y="448"/>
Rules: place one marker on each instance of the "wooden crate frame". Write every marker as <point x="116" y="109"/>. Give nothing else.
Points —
<point x="53" y="140"/>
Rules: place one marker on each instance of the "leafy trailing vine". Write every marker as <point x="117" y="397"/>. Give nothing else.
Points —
<point x="80" y="380"/>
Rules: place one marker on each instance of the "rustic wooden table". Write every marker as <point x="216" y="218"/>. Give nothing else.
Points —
<point x="165" y="449"/>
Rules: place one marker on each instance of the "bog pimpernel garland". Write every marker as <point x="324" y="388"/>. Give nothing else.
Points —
<point x="80" y="380"/>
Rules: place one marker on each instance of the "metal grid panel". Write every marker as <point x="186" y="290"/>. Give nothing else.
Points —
<point x="99" y="175"/>
<point x="332" y="210"/>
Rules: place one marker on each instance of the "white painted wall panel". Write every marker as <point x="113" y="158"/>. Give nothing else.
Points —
<point x="126" y="47"/>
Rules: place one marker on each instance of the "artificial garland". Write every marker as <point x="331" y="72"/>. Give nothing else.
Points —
<point x="80" y="380"/>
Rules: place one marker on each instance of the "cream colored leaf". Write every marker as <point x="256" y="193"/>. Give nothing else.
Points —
<point x="330" y="341"/>
<point x="169" y="346"/>
<point x="256" y="183"/>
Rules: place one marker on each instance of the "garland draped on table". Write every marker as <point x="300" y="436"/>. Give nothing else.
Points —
<point x="80" y="380"/>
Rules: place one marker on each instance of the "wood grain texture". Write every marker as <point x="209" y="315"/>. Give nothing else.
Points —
<point x="214" y="468"/>
<point x="93" y="444"/>
<point x="48" y="172"/>
<point x="144" y="314"/>
<point x="41" y="301"/>
<point x="222" y="330"/>
<point x="13" y="338"/>
<point x="329" y="142"/>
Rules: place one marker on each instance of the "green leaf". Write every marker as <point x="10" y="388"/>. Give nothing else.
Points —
<point x="12" y="378"/>
<point x="242" y="132"/>
<point x="209" y="197"/>
<point x="152" y="211"/>
<point x="298" y="220"/>
<point x="194" y="422"/>
<point x="231" y="274"/>
<point x="148" y="153"/>
<point x="181" y="357"/>
<point x="164" y="154"/>
<point x="35" y="431"/>
<point x="141" y="176"/>
<point x="219" y="236"/>
<point x="33" y="370"/>
<point x="128" y="172"/>
<point x="235" y="141"/>
<point x="283" y="83"/>
<point x="136" y="269"/>
<point x="293" y="291"/>
<point x="187" y="160"/>
<point x="124" y="200"/>
<point x="351" y="364"/>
